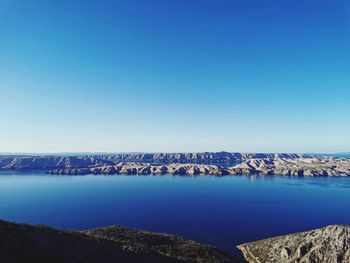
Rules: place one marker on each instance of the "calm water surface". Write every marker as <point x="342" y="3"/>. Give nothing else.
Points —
<point x="222" y="211"/>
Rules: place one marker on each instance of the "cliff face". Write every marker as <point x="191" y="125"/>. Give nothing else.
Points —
<point x="329" y="244"/>
<point x="26" y="243"/>
<point x="183" y="164"/>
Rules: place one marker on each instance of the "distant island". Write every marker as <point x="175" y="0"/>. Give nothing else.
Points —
<point x="211" y="163"/>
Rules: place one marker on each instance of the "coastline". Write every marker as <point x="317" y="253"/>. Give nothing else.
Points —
<point x="220" y="163"/>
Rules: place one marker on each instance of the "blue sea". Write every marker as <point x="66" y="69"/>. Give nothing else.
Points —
<point x="222" y="211"/>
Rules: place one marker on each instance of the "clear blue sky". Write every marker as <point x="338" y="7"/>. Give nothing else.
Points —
<point x="168" y="75"/>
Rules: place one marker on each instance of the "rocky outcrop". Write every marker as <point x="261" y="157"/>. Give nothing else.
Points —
<point x="26" y="243"/>
<point x="222" y="163"/>
<point x="329" y="244"/>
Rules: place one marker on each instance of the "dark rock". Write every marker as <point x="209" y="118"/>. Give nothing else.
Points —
<point x="26" y="243"/>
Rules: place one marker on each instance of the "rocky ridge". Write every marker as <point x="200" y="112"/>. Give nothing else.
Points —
<point x="302" y="166"/>
<point x="225" y="159"/>
<point x="221" y="163"/>
<point x="27" y="243"/>
<point x="330" y="244"/>
<point x="164" y="244"/>
<point x="315" y="166"/>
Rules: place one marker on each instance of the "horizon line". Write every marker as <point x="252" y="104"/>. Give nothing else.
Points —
<point x="155" y="152"/>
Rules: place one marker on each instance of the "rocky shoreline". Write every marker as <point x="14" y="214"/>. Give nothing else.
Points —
<point x="329" y="244"/>
<point x="183" y="164"/>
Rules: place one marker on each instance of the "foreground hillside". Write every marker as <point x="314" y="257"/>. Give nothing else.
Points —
<point x="221" y="163"/>
<point x="28" y="243"/>
<point x="329" y="244"/>
<point x="33" y="243"/>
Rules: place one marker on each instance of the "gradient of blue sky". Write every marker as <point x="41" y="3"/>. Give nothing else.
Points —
<point x="163" y="75"/>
